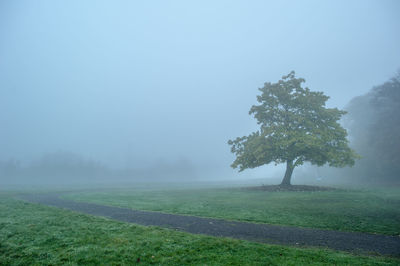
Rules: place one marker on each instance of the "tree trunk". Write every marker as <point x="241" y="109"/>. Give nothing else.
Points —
<point x="288" y="174"/>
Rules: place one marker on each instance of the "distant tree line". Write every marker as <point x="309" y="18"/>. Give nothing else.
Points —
<point x="57" y="166"/>
<point x="373" y="123"/>
<point x="67" y="167"/>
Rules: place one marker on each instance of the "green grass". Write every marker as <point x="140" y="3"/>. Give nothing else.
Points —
<point x="32" y="234"/>
<point x="347" y="210"/>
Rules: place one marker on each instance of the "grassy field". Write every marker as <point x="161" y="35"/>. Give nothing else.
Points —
<point x="347" y="210"/>
<point x="34" y="234"/>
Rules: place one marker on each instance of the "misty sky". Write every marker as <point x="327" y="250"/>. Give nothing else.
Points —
<point x="131" y="82"/>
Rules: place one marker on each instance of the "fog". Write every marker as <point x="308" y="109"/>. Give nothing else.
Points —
<point x="153" y="90"/>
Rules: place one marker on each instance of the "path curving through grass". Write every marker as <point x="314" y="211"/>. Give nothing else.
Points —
<point x="294" y="236"/>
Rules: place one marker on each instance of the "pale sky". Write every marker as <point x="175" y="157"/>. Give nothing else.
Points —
<point x="130" y="82"/>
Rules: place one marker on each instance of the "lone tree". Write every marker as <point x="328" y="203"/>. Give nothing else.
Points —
<point x="295" y="127"/>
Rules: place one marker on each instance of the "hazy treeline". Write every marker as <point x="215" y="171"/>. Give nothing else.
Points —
<point x="66" y="167"/>
<point x="373" y="122"/>
<point x="53" y="167"/>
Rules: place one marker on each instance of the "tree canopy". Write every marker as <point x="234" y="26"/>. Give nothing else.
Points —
<point x="295" y="127"/>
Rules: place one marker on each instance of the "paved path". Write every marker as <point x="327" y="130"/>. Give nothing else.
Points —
<point x="286" y="235"/>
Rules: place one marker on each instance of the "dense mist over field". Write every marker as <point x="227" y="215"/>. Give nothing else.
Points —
<point x="152" y="91"/>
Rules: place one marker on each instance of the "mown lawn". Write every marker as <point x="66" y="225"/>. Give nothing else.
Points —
<point x="41" y="235"/>
<point x="375" y="211"/>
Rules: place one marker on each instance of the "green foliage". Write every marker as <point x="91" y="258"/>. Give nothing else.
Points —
<point x="295" y="127"/>
<point x="376" y="211"/>
<point x="31" y="234"/>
